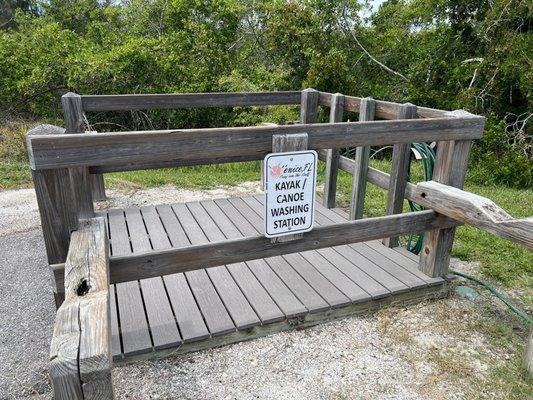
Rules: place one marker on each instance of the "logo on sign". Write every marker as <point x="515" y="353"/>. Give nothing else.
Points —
<point x="290" y="180"/>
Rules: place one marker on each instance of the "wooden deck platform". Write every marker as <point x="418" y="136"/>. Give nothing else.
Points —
<point x="230" y="303"/>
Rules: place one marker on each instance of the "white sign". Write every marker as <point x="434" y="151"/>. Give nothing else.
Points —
<point x="290" y="180"/>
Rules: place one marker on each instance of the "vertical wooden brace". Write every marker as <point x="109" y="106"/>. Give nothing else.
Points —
<point x="309" y="106"/>
<point x="399" y="169"/>
<point x="75" y="123"/>
<point x="80" y="177"/>
<point x="57" y="209"/>
<point x="332" y="156"/>
<point x="285" y="143"/>
<point x="80" y="352"/>
<point x="367" y="112"/>
<point x="450" y="169"/>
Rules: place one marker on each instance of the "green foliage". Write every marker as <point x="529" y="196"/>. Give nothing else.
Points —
<point x="444" y="53"/>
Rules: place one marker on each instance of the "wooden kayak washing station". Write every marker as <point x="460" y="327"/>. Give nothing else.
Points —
<point x="171" y="278"/>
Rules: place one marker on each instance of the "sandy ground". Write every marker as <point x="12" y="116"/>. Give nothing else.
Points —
<point x="419" y="352"/>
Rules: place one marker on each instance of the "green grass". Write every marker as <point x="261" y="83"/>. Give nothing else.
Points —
<point x="14" y="175"/>
<point x="200" y="177"/>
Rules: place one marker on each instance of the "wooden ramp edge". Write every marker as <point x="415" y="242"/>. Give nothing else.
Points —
<point x="297" y="323"/>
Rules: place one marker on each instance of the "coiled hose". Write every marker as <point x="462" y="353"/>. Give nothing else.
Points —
<point x="414" y="241"/>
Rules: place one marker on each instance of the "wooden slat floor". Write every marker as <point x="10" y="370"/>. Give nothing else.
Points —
<point x="213" y="306"/>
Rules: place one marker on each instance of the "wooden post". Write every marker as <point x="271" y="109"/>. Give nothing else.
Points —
<point x="74" y="123"/>
<point x="80" y="352"/>
<point x="309" y="106"/>
<point x="332" y="156"/>
<point x="285" y="143"/>
<point x="56" y="208"/>
<point x="450" y="169"/>
<point x="398" y="176"/>
<point x="367" y="111"/>
<point x="80" y="177"/>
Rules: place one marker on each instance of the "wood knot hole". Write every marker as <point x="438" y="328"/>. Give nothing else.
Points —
<point x="423" y="195"/>
<point x="426" y="250"/>
<point x="83" y="288"/>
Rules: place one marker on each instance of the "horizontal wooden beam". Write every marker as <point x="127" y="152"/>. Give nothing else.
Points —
<point x="100" y="169"/>
<point x="384" y="109"/>
<point x="186" y="100"/>
<point x="80" y="352"/>
<point x="475" y="210"/>
<point x="164" y="262"/>
<point x="145" y="147"/>
<point x="375" y="176"/>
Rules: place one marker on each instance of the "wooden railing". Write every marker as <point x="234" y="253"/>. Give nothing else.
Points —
<point x="55" y="155"/>
<point x="64" y="166"/>
<point x="80" y="353"/>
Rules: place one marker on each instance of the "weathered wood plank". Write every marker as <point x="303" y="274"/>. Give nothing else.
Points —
<point x="80" y="354"/>
<point x="395" y="258"/>
<point x="238" y="307"/>
<point x="164" y="262"/>
<point x="308" y="106"/>
<point x="332" y="155"/>
<point x="385" y="109"/>
<point x="215" y="314"/>
<point x="133" y="323"/>
<point x="175" y="232"/>
<point x="360" y="166"/>
<point x="401" y="153"/>
<point x="450" y="169"/>
<point x="116" y="349"/>
<point x="280" y="293"/>
<point x="57" y="211"/>
<point x="477" y="211"/>
<point x="119" y="148"/>
<point x="186" y="100"/>
<point x="190" y="321"/>
<point x="75" y="123"/>
<point x="161" y="320"/>
<point x="333" y="296"/>
<point x="255" y="293"/>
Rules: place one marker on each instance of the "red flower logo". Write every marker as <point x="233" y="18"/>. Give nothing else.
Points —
<point x="276" y="171"/>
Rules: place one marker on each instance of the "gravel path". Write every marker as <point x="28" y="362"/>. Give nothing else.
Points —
<point x="393" y="354"/>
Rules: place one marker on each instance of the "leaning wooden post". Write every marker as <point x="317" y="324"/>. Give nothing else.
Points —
<point x="57" y="207"/>
<point x="80" y="176"/>
<point x="367" y="111"/>
<point x="450" y="169"/>
<point x="80" y="352"/>
<point x="398" y="176"/>
<point x="285" y="143"/>
<point x="332" y="156"/>
<point x="74" y="123"/>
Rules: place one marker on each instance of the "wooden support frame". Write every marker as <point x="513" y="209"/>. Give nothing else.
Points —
<point x="164" y="262"/>
<point x="332" y="158"/>
<point x="399" y="170"/>
<point x="75" y="123"/>
<point x="362" y="159"/>
<point x="80" y="352"/>
<point x="186" y="146"/>
<point x="475" y="210"/>
<point x="187" y="100"/>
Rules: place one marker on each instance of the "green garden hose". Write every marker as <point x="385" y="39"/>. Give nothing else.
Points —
<point x="495" y="292"/>
<point x="414" y="242"/>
